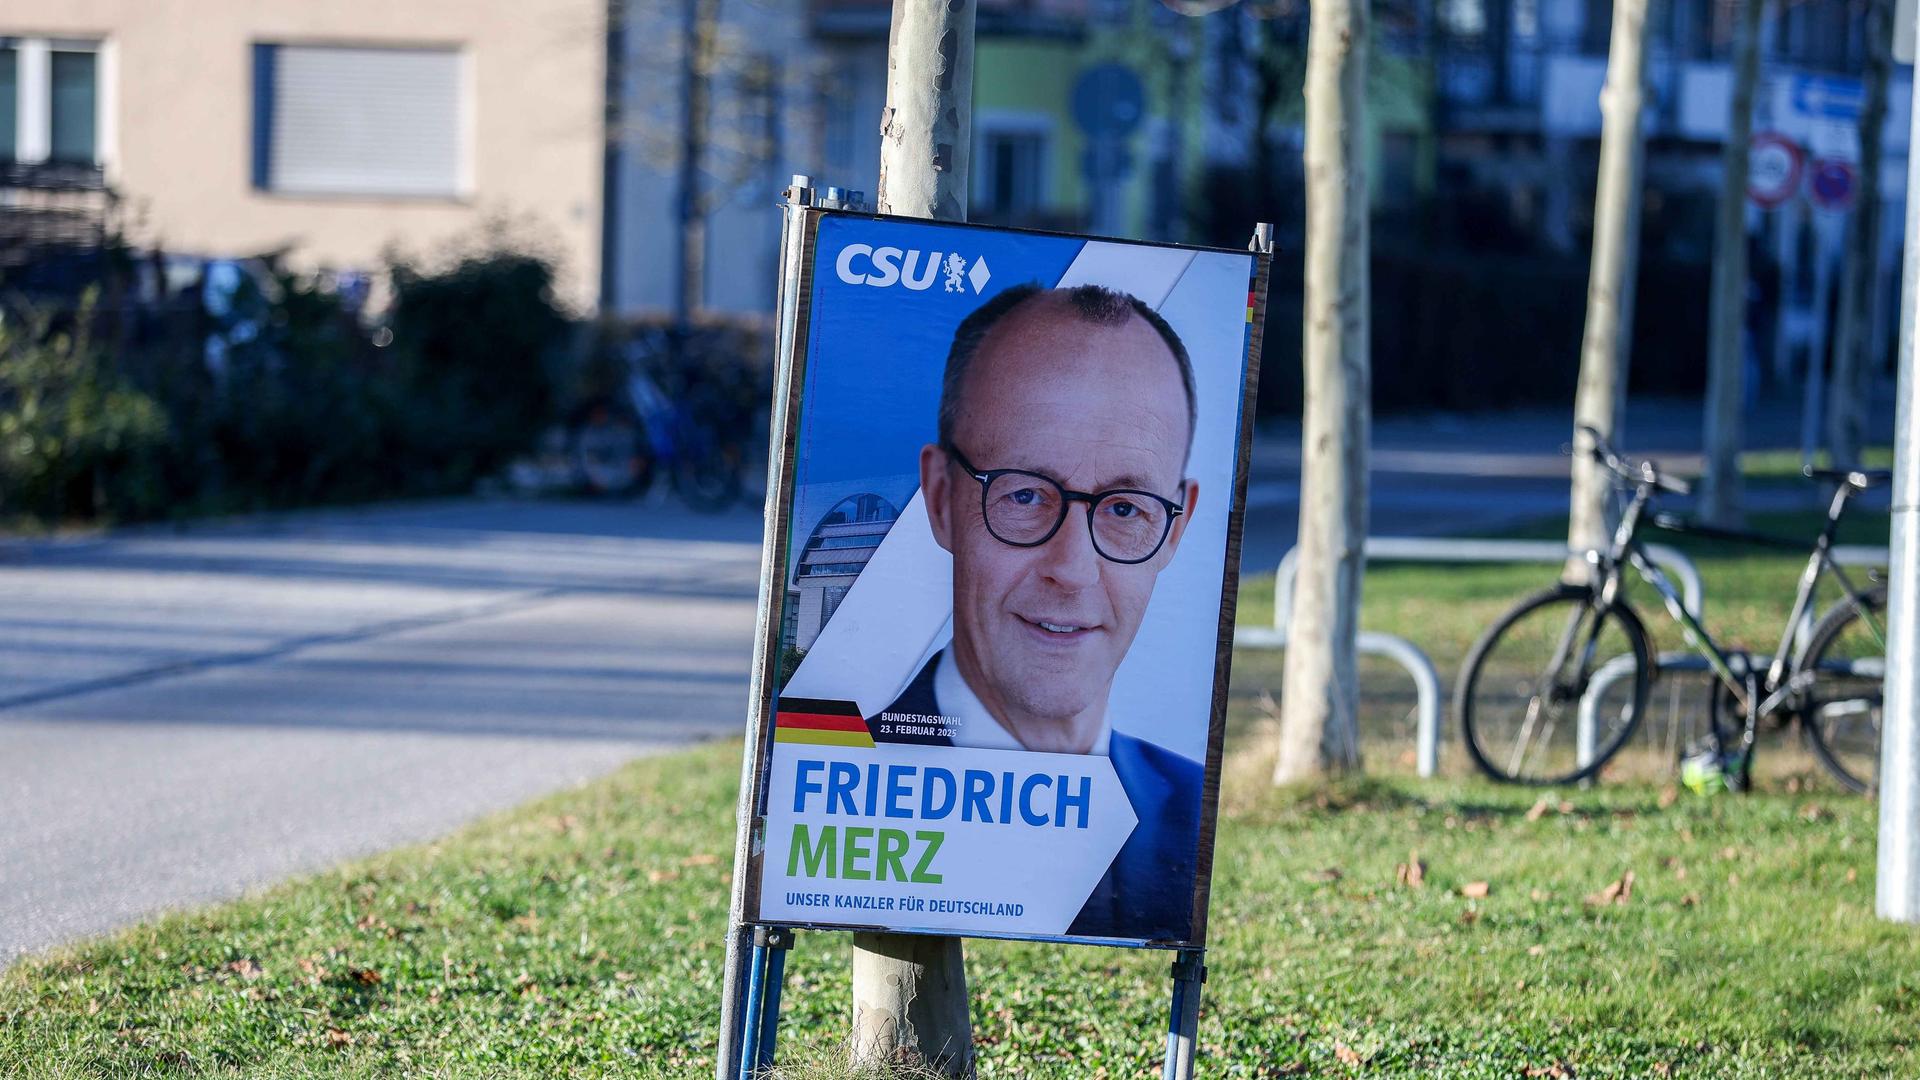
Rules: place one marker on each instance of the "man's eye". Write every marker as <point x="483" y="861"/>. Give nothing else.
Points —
<point x="1122" y="510"/>
<point x="1024" y="497"/>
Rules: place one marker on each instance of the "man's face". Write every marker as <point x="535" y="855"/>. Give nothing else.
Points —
<point x="1039" y="631"/>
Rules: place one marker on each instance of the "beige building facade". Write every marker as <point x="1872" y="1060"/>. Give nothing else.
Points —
<point x="336" y="128"/>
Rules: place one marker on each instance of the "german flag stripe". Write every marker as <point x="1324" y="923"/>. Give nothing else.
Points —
<point x="824" y="738"/>
<point x="818" y="705"/>
<point x="820" y="721"/>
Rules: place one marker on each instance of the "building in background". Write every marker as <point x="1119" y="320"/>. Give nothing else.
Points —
<point x="836" y="550"/>
<point x="232" y="127"/>
<point x="334" y="130"/>
<point x="1518" y="107"/>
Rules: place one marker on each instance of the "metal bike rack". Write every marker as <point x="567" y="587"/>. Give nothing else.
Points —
<point x="1587" y="729"/>
<point x="1426" y="679"/>
<point x="1588" y="723"/>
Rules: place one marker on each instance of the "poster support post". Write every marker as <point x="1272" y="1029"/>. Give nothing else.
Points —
<point x="760" y="1001"/>
<point x="1189" y="972"/>
<point x="799" y="198"/>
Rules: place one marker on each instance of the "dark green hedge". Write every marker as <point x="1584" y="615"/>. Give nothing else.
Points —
<point x="110" y="411"/>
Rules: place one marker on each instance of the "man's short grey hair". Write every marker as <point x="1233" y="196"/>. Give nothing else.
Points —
<point x="1092" y="304"/>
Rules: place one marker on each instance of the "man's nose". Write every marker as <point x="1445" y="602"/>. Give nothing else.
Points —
<point x="1068" y="559"/>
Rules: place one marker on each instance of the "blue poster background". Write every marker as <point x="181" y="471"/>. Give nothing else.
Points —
<point x="875" y="354"/>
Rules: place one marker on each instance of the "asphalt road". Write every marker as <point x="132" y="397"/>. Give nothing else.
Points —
<point x="185" y="715"/>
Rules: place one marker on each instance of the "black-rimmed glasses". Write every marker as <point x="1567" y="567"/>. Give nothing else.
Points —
<point x="1025" y="509"/>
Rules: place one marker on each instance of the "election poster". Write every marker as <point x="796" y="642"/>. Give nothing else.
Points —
<point x="1012" y="508"/>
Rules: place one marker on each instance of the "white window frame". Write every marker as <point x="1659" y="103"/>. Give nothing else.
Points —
<point x="33" y="96"/>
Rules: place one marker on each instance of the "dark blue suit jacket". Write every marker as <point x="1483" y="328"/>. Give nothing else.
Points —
<point x="1147" y="891"/>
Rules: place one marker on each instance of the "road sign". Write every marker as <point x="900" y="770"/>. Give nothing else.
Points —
<point x="1109" y="101"/>
<point x="1773" y="169"/>
<point x="1832" y="185"/>
<point x="1828" y="97"/>
<point x="1106" y="159"/>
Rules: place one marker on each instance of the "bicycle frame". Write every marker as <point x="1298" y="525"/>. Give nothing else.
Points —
<point x="1778" y="689"/>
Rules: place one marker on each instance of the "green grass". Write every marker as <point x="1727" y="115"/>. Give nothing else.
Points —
<point x="581" y="935"/>
<point x="1786" y="464"/>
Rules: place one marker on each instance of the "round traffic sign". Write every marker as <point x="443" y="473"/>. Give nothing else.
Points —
<point x="1109" y="101"/>
<point x="1833" y="185"/>
<point x="1773" y="169"/>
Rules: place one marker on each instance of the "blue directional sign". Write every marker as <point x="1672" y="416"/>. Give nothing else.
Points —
<point x="1828" y="97"/>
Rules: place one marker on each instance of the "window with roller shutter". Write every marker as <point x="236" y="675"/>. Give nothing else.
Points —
<point x="354" y="120"/>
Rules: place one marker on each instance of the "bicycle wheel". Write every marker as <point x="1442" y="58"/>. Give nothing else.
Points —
<point x="1840" y="710"/>
<point x="1521" y="690"/>
<point x="709" y="485"/>
<point x="610" y="456"/>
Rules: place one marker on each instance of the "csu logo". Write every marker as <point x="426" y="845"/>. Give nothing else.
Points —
<point x="862" y="264"/>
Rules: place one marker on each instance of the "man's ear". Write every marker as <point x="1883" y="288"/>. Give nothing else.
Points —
<point x="1192" y="489"/>
<point x="936" y="484"/>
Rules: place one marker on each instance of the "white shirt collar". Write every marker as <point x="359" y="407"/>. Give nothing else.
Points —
<point x="977" y="727"/>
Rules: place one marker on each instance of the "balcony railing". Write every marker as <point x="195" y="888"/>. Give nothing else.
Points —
<point x="52" y="176"/>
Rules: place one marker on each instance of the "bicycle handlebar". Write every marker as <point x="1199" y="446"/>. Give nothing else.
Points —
<point x="1644" y="472"/>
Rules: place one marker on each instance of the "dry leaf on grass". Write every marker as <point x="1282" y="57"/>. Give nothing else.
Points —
<point x="1536" y="950"/>
<point x="705" y="858"/>
<point x="1474" y="890"/>
<point x="1412" y="873"/>
<point x="1346" y="1054"/>
<point x="1539" y="810"/>
<point x="657" y="876"/>
<point x="1617" y="893"/>
<point x="1268" y="707"/>
<point x="247" y="969"/>
<point x="1559" y="1070"/>
<point x="1668" y="796"/>
<point x="337" y="1037"/>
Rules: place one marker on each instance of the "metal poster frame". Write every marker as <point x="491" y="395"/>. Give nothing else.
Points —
<point x="756" y="949"/>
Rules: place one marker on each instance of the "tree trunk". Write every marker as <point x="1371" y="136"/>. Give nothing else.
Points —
<point x="1726" y="360"/>
<point x="700" y="28"/>
<point x="1600" y="399"/>
<point x="1847" y="395"/>
<point x="927" y="127"/>
<point x="1319" y="720"/>
<point x="910" y="991"/>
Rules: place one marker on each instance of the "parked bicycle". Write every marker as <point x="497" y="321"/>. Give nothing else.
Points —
<point x="683" y="407"/>
<point x="1556" y="687"/>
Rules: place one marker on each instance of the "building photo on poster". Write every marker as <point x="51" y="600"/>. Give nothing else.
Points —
<point x="998" y="681"/>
